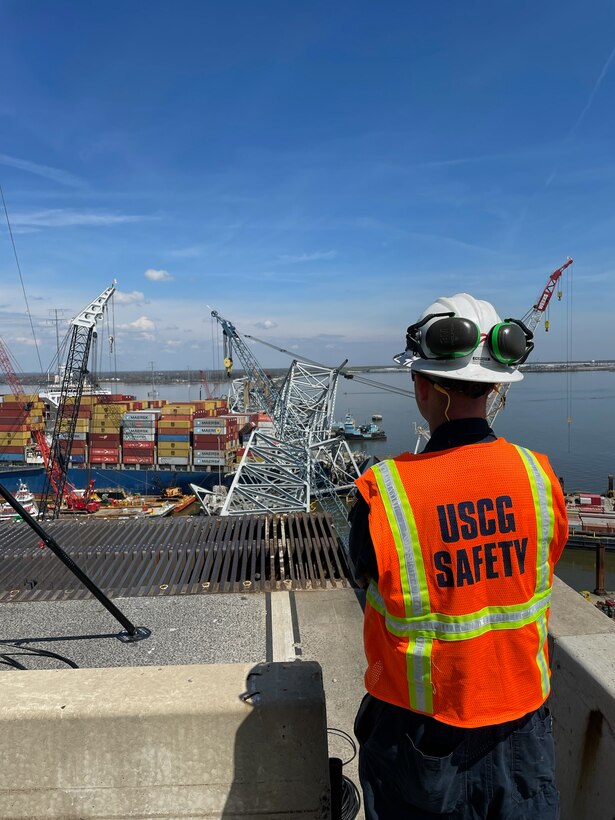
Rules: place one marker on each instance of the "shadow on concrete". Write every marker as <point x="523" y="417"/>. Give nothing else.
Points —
<point x="281" y="766"/>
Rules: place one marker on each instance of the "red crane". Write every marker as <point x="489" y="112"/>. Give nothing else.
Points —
<point x="205" y="383"/>
<point x="531" y="320"/>
<point x="74" y="499"/>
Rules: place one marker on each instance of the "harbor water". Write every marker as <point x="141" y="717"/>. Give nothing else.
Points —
<point x="567" y="415"/>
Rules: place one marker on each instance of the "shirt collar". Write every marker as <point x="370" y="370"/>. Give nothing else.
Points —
<point x="458" y="432"/>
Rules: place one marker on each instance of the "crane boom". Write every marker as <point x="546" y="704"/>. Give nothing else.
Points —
<point x="531" y="320"/>
<point x="266" y="391"/>
<point x="58" y="457"/>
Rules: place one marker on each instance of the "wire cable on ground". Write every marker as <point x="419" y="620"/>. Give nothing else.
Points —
<point x="351" y="799"/>
<point x="8" y="658"/>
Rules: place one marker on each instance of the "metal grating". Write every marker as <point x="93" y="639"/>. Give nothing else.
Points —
<point x="177" y="556"/>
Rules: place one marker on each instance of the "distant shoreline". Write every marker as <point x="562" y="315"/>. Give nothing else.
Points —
<point x="192" y="377"/>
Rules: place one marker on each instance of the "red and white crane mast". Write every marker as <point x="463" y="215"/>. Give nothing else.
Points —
<point x="531" y="320"/>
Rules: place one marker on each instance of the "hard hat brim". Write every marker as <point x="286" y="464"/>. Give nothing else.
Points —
<point x="464" y="370"/>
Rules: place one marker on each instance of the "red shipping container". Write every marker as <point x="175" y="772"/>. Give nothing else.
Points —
<point x="13" y="428"/>
<point x="103" y="459"/>
<point x="176" y="416"/>
<point x="211" y="442"/>
<point x="12" y="448"/>
<point x="14" y="405"/>
<point x="104" y="451"/>
<point x="139" y="445"/>
<point x="204" y="414"/>
<point x="13" y="418"/>
<point x="144" y="459"/>
<point x="102" y="439"/>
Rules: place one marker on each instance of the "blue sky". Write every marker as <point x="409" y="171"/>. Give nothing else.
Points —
<point x="317" y="172"/>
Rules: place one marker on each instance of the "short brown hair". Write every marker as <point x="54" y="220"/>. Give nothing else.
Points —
<point x="473" y="390"/>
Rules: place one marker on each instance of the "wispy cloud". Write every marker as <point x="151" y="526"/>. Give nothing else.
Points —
<point x="158" y="275"/>
<point x="191" y="252"/>
<point x="143" y="323"/>
<point x="135" y="297"/>
<point x="307" y="257"/>
<point x="55" y="174"/>
<point x="593" y="92"/>
<point x="68" y="218"/>
<point x="266" y="324"/>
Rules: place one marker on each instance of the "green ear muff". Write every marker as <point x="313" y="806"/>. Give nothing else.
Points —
<point x="510" y="342"/>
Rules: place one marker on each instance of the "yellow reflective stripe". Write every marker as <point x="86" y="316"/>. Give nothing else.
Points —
<point x="403" y="529"/>
<point x="542" y="493"/>
<point x="541" y="661"/>
<point x="418" y="657"/>
<point x="413" y="582"/>
<point x="439" y="626"/>
<point x="418" y="674"/>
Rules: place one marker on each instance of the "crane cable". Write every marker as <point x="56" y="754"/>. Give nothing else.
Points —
<point x="569" y="339"/>
<point x="8" y="222"/>
<point x="343" y="371"/>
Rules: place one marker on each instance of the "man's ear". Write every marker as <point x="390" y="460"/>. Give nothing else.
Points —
<point x="421" y="386"/>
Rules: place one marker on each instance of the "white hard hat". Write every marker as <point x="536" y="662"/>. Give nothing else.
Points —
<point x="466" y="349"/>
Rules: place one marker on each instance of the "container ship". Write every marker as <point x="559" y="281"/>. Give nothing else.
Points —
<point x="119" y="441"/>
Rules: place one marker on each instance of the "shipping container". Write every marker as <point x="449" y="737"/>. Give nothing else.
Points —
<point x="20" y="456"/>
<point x="105" y="439"/>
<point x="178" y="420"/>
<point x="143" y="415"/>
<point x="139" y="446"/>
<point x="104" y="451"/>
<point x="138" y="459"/>
<point x="167" y="448"/>
<point x="138" y="435"/>
<point x="178" y="409"/>
<point x="140" y="424"/>
<point x="173" y="460"/>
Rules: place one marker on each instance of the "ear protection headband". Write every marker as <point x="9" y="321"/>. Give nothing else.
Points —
<point x="453" y="337"/>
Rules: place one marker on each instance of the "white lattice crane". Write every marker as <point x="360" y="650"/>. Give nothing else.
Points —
<point x="57" y="458"/>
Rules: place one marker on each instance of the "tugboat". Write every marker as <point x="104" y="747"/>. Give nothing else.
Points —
<point x="25" y="498"/>
<point x="364" y="432"/>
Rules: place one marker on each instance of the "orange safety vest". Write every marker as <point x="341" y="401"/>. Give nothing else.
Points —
<point x="466" y="540"/>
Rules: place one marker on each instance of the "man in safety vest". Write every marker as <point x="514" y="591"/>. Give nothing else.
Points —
<point x="457" y="547"/>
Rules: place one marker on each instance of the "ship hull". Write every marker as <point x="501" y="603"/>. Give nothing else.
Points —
<point x="143" y="481"/>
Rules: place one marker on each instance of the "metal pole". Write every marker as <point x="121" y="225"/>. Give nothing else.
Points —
<point x="600" y="564"/>
<point x="134" y="633"/>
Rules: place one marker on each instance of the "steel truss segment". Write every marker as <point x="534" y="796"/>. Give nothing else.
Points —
<point x="272" y="476"/>
<point x="285" y="471"/>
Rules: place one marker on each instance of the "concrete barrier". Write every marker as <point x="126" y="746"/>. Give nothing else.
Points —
<point x="230" y="741"/>
<point x="583" y="704"/>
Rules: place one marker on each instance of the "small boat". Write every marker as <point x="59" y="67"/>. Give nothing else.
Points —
<point x="25" y="498"/>
<point x="376" y="417"/>
<point x="590" y="512"/>
<point x="364" y="432"/>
